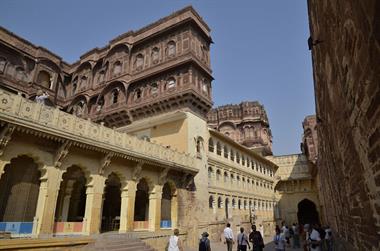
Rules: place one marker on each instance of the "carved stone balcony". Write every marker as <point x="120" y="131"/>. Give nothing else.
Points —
<point x="24" y="113"/>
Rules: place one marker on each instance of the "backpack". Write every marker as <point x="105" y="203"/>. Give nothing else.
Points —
<point x="202" y="245"/>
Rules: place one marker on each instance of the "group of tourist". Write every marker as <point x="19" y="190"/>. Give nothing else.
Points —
<point x="316" y="238"/>
<point x="244" y="241"/>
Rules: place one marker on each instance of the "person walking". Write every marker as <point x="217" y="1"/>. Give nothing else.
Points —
<point x="314" y="240"/>
<point x="242" y="241"/>
<point x="204" y="243"/>
<point x="279" y="240"/>
<point x="174" y="243"/>
<point x="229" y="237"/>
<point x="296" y="236"/>
<point x="256" y="239"/>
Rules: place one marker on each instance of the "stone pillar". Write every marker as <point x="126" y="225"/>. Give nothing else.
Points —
<point x="174" y="208"/>
<point x="47" y="202"/>
<point x="66" y="200"/>
<point x="127" y="208"/>
<point x="94" y="198"/>
<point x="155" y="208"/>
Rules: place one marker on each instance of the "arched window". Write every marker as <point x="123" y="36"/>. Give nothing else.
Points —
<point x="219" y="202"/>
<point x="139" y="61"/>
<point x="243" y="160"/>
<point x="232" y="155"/>
<point x="171" y="83"/>
<point x="155" y="55"/>
<point x="210" y="145"/>
<point x="43" y="79"/>
<point x="115" y="95"/>
<point x="210" y="172"/>
<point x="225" y="149"/>
<point x="237" y="157"/>
<point x="225" y="177"/>
<point x="154" y="88"/>
<point x="211" y="202"/>
<point x="117" y="68"/>
<point x="20" y="73"/>
<point x="218" y="174"/>
<point x="171" y="49"/>
<point x="138" y="93"/>
<point x="218" y="149"/>
<point x="199" y="144"/>
<point x="83" y="81"/>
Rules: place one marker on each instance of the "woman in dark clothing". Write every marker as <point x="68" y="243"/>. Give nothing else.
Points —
<point x="256" y="239"/>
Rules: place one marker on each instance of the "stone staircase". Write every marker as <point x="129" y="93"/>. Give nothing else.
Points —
<point x="118" y="242"/>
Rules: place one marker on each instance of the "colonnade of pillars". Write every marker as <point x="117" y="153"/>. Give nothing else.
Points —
<point x="55" y="198"/>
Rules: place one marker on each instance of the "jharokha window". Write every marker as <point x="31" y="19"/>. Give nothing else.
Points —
<point x="138" y="94"/>
<point x="154" y="88"/>
<point x="115" y="96"/>
<point x="116" y="68"/>
<point x="139" y="61"/>
<point x="155" y="55"/>
<point x="171" y="83"/>
<point x="171" y="49"/>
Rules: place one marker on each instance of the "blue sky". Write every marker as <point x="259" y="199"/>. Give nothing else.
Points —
<point x="260" y="50"/>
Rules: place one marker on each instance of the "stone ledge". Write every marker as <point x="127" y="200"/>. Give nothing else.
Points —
<point x="32" y="244"/>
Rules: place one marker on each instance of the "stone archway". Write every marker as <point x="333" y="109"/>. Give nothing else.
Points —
<point x="167" y="206"/>
<point x="111" y="204"/>
<point x="307" y="212"/>
<point x="19" y="190"/>
<point x="71" y="202"/>
<point x="141" y="212"/>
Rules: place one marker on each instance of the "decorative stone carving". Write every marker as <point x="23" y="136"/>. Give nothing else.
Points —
<point x="5" y="136"/>
<point x="61" y="153"/>
<point x="163" y="176"/>
<point x="105" y="162"/>
<point x="136" y="173"/>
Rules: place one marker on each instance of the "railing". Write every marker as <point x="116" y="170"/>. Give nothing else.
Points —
<point x="17" y="229"/>
<point x="20" y="111"/>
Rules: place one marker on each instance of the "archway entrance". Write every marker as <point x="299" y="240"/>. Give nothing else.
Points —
<point x="111" y="204"/>
<point x="167" y="206"/>
<point x="19" y="189"/>
<point x="71" y="203"/>
<point x="307" y="212"/>
<point x="142" y="206"/>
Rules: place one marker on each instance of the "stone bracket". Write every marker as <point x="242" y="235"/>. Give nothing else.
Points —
<point x="163" y="176"/>
<point x="5" y="136"/>
<point x="61" y="153"/>
<point x="105" y="162"/>
<point x="136" y="173"/>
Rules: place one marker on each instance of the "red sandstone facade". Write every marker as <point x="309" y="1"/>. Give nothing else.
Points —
<point x="159" y="68"/>
<point x="345" y="45"/>
<point x="246" y="123"/>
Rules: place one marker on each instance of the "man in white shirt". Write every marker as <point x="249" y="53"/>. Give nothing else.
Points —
<point x="314" y="239"/>
<point x="229" y="237"/>
<point x="41" y="96"/>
